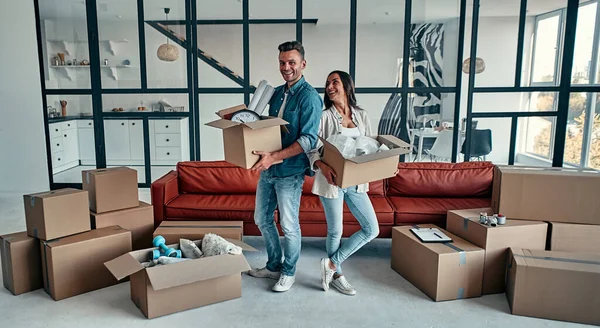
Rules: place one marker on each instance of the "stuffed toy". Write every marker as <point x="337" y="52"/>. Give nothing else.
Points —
<point x="216" y="245"/>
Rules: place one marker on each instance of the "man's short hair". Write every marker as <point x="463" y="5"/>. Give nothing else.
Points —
<point x="292" y="45"/>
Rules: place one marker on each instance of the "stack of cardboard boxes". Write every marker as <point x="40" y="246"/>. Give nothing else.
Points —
<point x="546" y="257"/>
<point x="71" y="233"/>
<point x="81" y="240"/>
<point x="114" y="200"/>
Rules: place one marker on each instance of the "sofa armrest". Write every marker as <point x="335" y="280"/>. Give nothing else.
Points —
<point x="162" y="191"/>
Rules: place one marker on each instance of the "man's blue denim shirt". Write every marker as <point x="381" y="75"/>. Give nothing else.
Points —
<point x="303" y="110"/>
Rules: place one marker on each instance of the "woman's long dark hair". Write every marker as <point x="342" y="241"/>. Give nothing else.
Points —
<point x="348" y="85"/>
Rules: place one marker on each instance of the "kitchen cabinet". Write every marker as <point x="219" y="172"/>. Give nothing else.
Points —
<point x="116" y="141"/>
<point x="136" y="141"/>
<point x="72" y="142"/>
<point x="64" y="146"/>
<point x="87" y="146"/>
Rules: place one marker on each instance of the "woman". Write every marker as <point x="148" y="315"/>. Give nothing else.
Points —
<point x="341" y="116"/>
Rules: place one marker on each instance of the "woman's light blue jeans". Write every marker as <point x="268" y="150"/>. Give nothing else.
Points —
<point x="362" y="209"/>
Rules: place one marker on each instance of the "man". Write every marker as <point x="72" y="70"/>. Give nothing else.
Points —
<point x="280" y="185"/>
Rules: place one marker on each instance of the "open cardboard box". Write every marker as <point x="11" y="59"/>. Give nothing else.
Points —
<point x="167" y="289"/>
<point x="241" y="139"/>
<point x="365" y="168"/>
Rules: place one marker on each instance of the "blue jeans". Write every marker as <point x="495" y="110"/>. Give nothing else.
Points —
<point x="362" y="209"/>
<point x="283" y="193"/>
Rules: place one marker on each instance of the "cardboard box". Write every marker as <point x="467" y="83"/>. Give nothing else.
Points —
<point x="74" y="265"/>
<point x="194" y="230"/>
<point x="576" y="238"/>
<point x="57" y="213"/>
<point x="547" y="194"/>
<point x="111" y="189"/>
<point x="443" y="271"/>
<point x="554" y="285"/>
<point x="139" y="220"/>
<point x="365" y="168"/>
<point x="496" y="241"/>
<point x="241" y="139"/>
<point x="21" y="263"/>
<point x="167" y="289"/>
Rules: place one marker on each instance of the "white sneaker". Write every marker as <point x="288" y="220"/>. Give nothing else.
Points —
<point x="263" y="273"/>
<point x="326" y="273"/>
<point x="343" y="286"/>
<point x="284" y="283"/>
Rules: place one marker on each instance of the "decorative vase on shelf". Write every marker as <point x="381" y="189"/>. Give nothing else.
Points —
<point x="61" y="56"/>
<point x="63" y="105"/>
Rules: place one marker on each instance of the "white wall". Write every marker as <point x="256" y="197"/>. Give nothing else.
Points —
<point x="23" y="165"/>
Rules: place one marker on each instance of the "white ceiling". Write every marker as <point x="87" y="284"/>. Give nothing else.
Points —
<point x="326" y="11"/>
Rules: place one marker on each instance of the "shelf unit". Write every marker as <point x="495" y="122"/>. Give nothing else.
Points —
<point x="68" y="72"/>
<point x="68" y="44"/>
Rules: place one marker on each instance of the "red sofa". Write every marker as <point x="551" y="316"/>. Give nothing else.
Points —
<point x="420" y="193"/>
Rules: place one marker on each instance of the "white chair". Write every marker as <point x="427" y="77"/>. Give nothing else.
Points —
<point x="442" y="147"/>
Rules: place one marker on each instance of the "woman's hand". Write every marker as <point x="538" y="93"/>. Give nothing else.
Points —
<point x="327" y="171"/>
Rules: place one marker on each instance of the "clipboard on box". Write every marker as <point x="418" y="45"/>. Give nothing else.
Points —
<point x="431" y="235"/>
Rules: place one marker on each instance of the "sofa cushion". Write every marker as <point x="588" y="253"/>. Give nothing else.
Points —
<point x="431" y="210"/>
<point x="215" y="178"/>
<point x="376" y="188"/>
<point x="311" y="210"/>
<point x="464" y="180"/>
<point x="214" y="207"/>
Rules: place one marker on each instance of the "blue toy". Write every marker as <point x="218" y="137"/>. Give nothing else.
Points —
<point x="159" y="241"/>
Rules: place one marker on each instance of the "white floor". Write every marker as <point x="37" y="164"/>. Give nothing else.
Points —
<point x="73" y="175"/>
<point x="384" y="298"/>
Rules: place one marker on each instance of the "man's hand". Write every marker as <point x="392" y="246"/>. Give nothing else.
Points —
<point x="266" y="160"/>
<point x="327" y="171"/>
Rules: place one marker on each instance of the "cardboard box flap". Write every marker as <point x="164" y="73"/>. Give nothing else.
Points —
<point x="222" y="124"/>
<point x="265" y="123"/>
<point x="123" y="266"/>
<point x="243" y="245"/>
<point x="393" y="142"/>
<point x="187" y="272"/>
<point x="379" y="155"/>
<point x="223" y="112"/>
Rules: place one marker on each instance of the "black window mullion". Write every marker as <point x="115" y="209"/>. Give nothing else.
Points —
<point x="96" y="83"/>
<point x="299" y="20"/>
<point x="520" y="43"/>
<point x="473" y="54"/>
<point x="565" y="83"/>
<point x="352" y="59"/>
<point x="142" y="45"/>
<point x="457" y="95"/>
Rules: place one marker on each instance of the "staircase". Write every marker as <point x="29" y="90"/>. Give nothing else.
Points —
<point x="204" y="56"/>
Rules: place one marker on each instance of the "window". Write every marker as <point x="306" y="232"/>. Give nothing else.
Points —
<point x="583" y="44"/>
<point x="582" y="148"/>
<point x="546" y="46"/>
